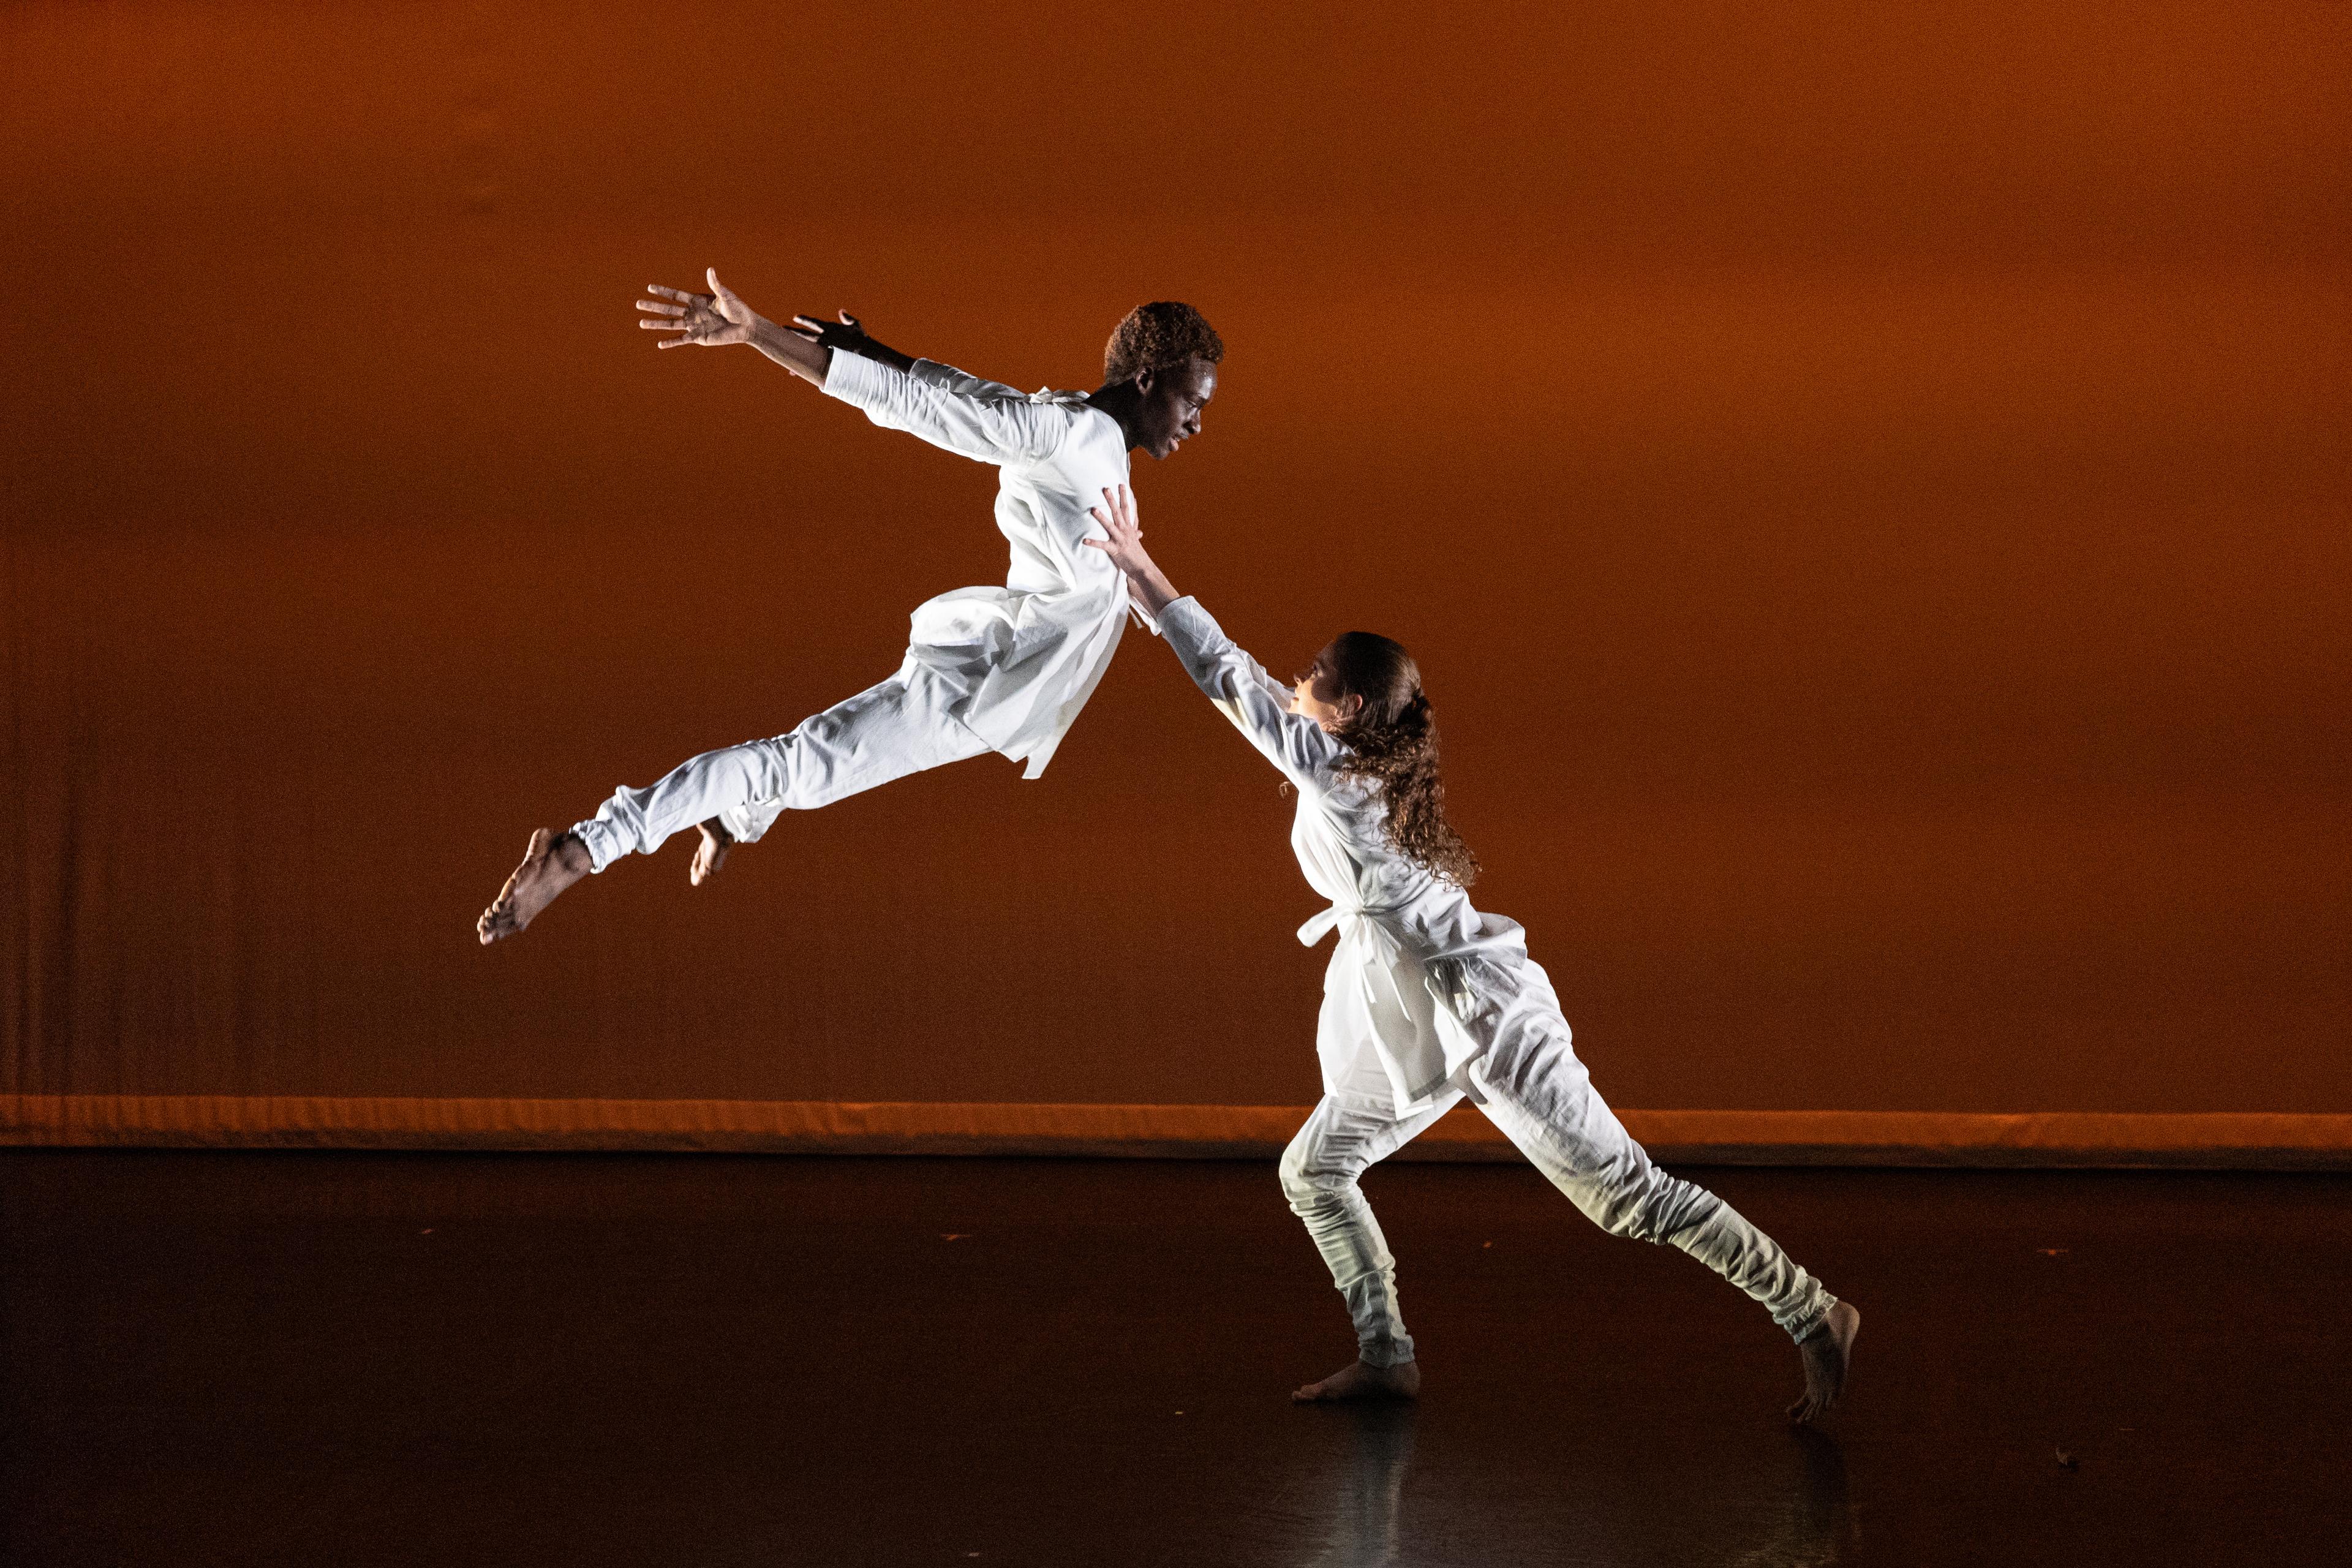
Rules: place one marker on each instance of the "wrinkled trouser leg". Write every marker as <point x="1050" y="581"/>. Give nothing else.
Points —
<point x="1348" y="1132"/>
<point x="887" y="731"/>
<point x="1540" y="1096"/>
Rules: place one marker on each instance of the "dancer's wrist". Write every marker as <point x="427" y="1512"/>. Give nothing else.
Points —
<point x="1154" y="589"/>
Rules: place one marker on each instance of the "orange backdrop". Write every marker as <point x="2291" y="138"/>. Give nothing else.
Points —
<point x="1868" y="486"/>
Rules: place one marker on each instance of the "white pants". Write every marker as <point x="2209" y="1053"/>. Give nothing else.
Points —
<point x="902" y="726"/>
<point x="1536" y="1090"/>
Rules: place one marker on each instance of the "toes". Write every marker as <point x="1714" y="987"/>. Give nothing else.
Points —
<point x="496" y="922"/>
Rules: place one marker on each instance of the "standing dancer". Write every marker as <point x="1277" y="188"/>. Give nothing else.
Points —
<point x="1003" y="669"/>
<point x="1427" y="1001"/>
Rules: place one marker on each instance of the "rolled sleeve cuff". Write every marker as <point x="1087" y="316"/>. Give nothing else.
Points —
<point x="856" y="380"/>
<point x="1192" y="632"/>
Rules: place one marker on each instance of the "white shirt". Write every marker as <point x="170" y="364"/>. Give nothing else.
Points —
<point x="1027" y="655"/>
<point x="1419" y="976"/>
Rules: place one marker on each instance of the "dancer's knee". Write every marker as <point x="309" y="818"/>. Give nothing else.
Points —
<point x="1312" y="1185"/>
<point x="1292" y="1172"/>
<point x="752" y="770"/>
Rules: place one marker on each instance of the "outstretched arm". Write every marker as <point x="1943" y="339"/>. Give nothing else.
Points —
<point x="977" y="419"/>
<point x="1257" y="704"/>
<point x="719" y="318"/>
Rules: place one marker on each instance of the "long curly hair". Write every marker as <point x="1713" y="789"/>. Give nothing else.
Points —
<point x="1158" y="336"/>
<point x="1393" y="742"/>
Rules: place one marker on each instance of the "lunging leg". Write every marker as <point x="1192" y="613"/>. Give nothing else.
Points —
<point x="1346" y="1134"/>
<point x="1544" y="1102"/>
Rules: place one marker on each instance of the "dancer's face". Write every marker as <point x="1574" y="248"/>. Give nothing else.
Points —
<point x="1318" y="695"/>
<point x="1170" y="412"/>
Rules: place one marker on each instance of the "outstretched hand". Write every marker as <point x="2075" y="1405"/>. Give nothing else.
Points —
<point x="712" y="320"/>
<point x="1125" y="547"/>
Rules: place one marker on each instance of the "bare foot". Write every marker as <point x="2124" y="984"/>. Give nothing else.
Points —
<point x="1358" y="1381"/>
<point x="711" y="853"/>
<point x="1827" y="1351"/>
<point x="552" y="863"/>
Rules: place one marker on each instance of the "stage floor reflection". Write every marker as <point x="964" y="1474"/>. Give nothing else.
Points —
<point x="358" y="1359"/>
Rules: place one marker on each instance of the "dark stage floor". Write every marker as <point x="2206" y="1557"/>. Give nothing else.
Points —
<point x="586" y="1359"/>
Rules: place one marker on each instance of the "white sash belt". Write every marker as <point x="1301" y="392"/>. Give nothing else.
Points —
<point x="1322" y="924"/>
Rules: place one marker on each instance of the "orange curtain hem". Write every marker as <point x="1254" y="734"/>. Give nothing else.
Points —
<point x="2209" y="1140"/>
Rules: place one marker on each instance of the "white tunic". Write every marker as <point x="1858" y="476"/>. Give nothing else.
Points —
<point x="1028" y="655"/>
<point x="1419" y="976"/>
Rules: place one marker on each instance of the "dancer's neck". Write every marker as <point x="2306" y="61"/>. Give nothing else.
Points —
<point x="1122" y="401"/>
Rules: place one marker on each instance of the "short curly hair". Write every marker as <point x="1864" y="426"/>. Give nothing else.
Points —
<point x="1156" y="337"/>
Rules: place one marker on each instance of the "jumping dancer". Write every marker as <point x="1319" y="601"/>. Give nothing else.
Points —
<point x="1003" y="669"/>
<point x="1427" y="1001"/>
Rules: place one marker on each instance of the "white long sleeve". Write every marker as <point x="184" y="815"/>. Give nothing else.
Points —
<point x="962" y="383"/>
<point x="1257" y="704"/>
<point x="979" y="420"/>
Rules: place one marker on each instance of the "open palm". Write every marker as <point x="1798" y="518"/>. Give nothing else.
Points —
<point x="712" y="320"/>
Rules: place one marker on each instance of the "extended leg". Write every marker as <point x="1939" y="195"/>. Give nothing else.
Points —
<point x="901" y="726"/>
<point x="1348" y="1133"/>
<point x="1539" y="1095"/>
